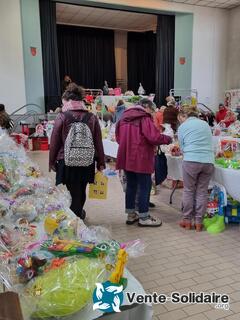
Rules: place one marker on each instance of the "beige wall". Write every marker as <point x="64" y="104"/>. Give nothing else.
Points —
<point x="233" y="48"/>
<point x="12" y="81"/>
<point x="121" y="58"/>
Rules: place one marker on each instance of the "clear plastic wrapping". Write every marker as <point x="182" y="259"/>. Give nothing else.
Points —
<point x="63" y="290"/>
<point x="48" y="255"/>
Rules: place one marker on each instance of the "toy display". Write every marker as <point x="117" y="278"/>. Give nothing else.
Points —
<point x="117" y="274"/>
<point x="24" y="209"/>
<point x="48" y="255"/>
<point x="227" y="163"/>
<point x="234" y="129"/>
<point x="228" y="147"/>
<point x="214" y="220"/>
<point x="59" y="223"/>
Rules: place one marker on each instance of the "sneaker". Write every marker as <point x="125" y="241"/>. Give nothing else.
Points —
<point x="152" y="205"/>
<point x="150" y="222"/>
<point x="132" y="218"/>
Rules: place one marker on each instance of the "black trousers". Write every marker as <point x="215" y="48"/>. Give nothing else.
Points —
<point x="78" y="194"/>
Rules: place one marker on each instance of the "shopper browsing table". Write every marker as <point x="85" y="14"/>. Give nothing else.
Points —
<point x="195" y="140"/>
<point x="222" y="112"/>
<point x="137" y="137"/>
<point x="88" y="148"/>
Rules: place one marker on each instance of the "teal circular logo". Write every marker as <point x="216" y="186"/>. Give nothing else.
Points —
<point x="107" y="297"/>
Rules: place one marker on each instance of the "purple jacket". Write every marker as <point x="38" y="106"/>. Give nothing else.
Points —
<point x="137" y="137"/>
<point x="60" y="131"/>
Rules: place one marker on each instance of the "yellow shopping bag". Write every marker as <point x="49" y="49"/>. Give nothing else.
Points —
<point x="98" y="189"/>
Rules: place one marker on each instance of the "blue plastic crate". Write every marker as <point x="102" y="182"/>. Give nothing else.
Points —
<point x="232" y="213"/>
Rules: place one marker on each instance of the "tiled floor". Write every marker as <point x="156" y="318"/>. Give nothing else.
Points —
<point x="174" y="259"/>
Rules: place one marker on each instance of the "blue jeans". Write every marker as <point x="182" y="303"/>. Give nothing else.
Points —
<point x="140" y="183"/>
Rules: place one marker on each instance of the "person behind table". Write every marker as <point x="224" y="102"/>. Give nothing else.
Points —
<point x="229" y="119"/>
<point x="75" y="178"/>
<point x="5" y="121"/>
<point x="158" y="118"/>
<point x="170" y="114"/>
<point x="120" y="108"/>
<point x="195" y="139"/>
<point x="222" y="112"/>
<point x="66" y="81"/>
<point x="137" y="137"/>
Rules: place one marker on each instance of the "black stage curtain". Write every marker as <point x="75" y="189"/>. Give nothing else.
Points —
<point x="165" y="57"/>
<point x="87" y="55"/>
<point x="141" y="55"/>
<point x="50" y="54"/>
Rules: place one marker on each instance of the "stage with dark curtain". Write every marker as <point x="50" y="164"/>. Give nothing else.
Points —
<point x="87" y="55"/>
<point x="141" y="61"/>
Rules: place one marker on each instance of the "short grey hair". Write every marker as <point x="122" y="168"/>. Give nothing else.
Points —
<point x="147" y="103"/>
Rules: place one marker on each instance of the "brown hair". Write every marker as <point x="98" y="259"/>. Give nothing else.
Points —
<point x="73" y="92"/>
<point x="120" y="103"/>
<point x="189" y="111"/>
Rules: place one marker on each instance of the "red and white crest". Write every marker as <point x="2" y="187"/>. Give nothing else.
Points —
<point x="33" y="51"/>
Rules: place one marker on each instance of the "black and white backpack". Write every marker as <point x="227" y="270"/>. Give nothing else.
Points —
<point x="79" y="147"/>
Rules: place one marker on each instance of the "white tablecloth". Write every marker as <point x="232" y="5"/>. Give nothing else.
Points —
<point x="111" y="100"/>
<point x="228" y="178"/>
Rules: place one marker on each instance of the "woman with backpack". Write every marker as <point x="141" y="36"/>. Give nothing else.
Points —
<point x="76" y="146"/>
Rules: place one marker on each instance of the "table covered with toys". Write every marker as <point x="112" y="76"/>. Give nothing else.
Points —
<point x="48" y="255"/>
<point x="224" y="195"/>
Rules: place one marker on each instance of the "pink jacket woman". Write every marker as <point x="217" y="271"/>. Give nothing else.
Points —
<point x="137" y="137"/>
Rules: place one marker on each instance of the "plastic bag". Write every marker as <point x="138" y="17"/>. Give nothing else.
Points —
<point x="64" y="290"/>
<point x="60" y="223"/>
<point x="168" y="131"/>
<point x="95" y="234"/>
<point x="134" y="248"/>
<point x="24" y="208"/>
<point x="98" y="189"/>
